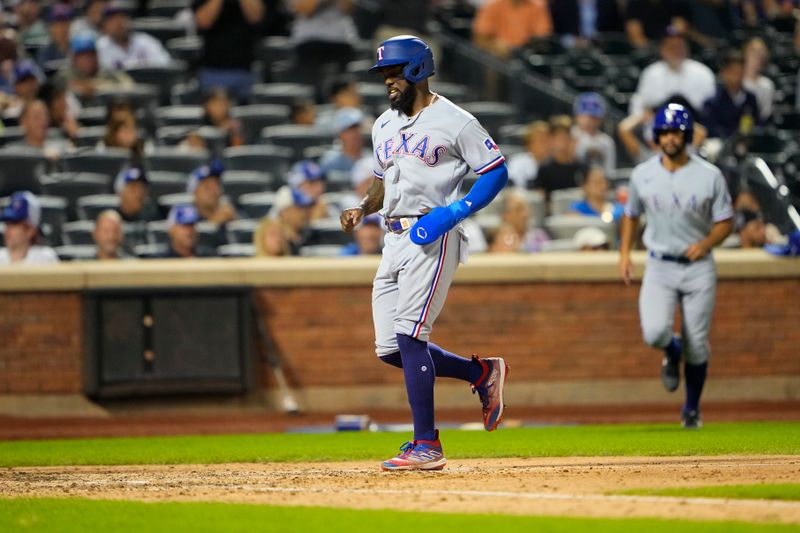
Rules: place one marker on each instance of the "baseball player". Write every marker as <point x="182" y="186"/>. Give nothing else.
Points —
<point x="423" y="146"/>
<point x="688" y="210"/>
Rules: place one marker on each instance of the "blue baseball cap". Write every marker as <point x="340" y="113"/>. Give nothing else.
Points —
<point x="303" y="171"/>
<point x="60" y="12"/>
<point x="111" y="10"/>
<point x="791" y="248"/>
<point x="591" y="104"/>
<point x="24" y="69"/>
<point x="82" y="42"/>
<point x="185" y="215"/>
<point x="215" y="168"/>
<point x="24" y="207"/>
<point x="128" y="175"/>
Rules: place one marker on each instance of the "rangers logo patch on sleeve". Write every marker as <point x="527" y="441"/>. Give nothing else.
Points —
<point x="490" y="144"/>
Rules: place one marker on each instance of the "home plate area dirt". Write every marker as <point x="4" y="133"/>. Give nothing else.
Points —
<point x="578" y="486"/>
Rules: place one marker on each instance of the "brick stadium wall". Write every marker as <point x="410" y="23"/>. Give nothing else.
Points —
<point x="40" y="343"/>
<point x="548" y="331"/>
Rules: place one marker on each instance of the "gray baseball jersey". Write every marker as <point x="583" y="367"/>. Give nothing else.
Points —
<point x="681" y="208"/>
<point x="422" y="161"/>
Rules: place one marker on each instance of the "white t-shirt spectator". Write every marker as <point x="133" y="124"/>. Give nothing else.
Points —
<point x="598" y="149"/>
<point x="143" y="51"/>
<point x="522" y="169"/>
<point x="693" y="80"/>
<point x="764" y="89"/>
<point x="37" y="255"/>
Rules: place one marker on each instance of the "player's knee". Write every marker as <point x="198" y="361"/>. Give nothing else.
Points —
<point x="696" y="353"/>
<point x="656" y="336"/>
<point x="393" y="359"/>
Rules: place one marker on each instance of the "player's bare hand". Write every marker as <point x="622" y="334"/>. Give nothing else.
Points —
<point x="350" y="218"/>
<point x="626" y="269"/>
<point x="696" y="251"/>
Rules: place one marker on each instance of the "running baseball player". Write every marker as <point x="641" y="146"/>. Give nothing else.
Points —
<point x="688" y="211"/>
<point x="423" y="146"/>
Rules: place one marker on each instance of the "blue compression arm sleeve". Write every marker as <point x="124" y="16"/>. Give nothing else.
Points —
<point x="440" y="220"/>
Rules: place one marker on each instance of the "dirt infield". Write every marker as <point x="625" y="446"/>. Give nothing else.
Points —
<point x="540" y="486"/>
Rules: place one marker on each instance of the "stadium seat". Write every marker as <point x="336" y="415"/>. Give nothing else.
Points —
<point x="241" y="231"/>
<point x="78" y="232"/>
<point x="21" y="169"/>
<point x="561" y="200"/>
<point x="452" y="91"/>
<point x="215" y="139"/>
<point x="175" y="160"/>
<point x="256" y="205"/>
<point x="166" y="202"/>
<point x="236" y="250"/>
<point x="163" y="182"/>
<point x="180" y="115"/>
<point x="512" y="134"/>
<point x="328" y="232"/>
<point x="321" y="250"/>
<point x="108" y="162"/>
<point x="150" y="251"/>
<point x="239" y="182"/>
<point x="11" y="134"/>
<point x="565" y="226"/>
<point x="536" y="204"/>
<point x="188" y="93"/>
<point x="493" y="115"/>
<point x="73" y="186"/>
<point x="157" y="232"/>
<point x="187" y="49"/>
<point x="281" y="93"/>
<point x="162" y="28"/>
<point x="559" y="245"/>
<point x="162" y="78"/>
<point x="338" y="180"/>
<point x="255" y="118"/>
<point x="92" y="116"/>
<point x="166" y="8"/>
<point x="295" y="137"/>
<point x="144" y="97"/>
<point x="79" y="252"/>
<point x="91" y="206"/>
<point x="272" y="159"/>
<point x="373" y="95"/>
<point x="89" y="136"/>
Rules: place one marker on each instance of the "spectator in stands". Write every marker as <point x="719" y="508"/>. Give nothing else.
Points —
<point x="756" y="57"/>
<point x="293" y="209"/>
<point x="590" y="239"/>
<point x="733" y="109"/>
<point x="323" y="34"/>
<point x="55" y="95"/>
<point x="134" y="203"/>
<point x="350" y="146"/>
<point x="205" y="183"/>
<point x="595" y="198"/>
<point x="84" y="75"/>
<point x="515" y="233"/>
<point x="579" y="22"/>
<point x="674" y="74"/>
<point x="360" y="179"/>
<point x="342" y="94"/>
<point x="751" y="228"/>
<point x="593" y="146"/>
<point x="712" y="22"/>
<point x="90" y="22"/>
<point x="58" y="23"/>
<point x="22" y="217"/>
<point x="30" y="26"/>
<point x="303" y="113"/>
<point x="308" y="179"/>
<point x="646" y="19"/>
<point x="217" y="113"/>
<point x="35" y="120"/>
<point x="230" y="31"/>
<point x="123" y="133"/>
<point x="501" y="26"/>
<point x="9" y="54"/>
<point x="183" y="234"/>
<point x="562" y="170"/>
<point x="368" y="238"/>
<point x="107" y="236"/>
<point x="524" y="166"/>
<point x="121" y="48"/>
<point x="26" y="80"/>
<point x="269" y="239"/>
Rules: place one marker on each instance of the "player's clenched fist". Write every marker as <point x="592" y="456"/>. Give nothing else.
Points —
<point x="626" y="269"/>
<point x="350" y="218"/>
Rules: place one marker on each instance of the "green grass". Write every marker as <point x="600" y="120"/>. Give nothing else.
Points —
<point x="778" y="491"/>
<point x="559" y="441"/>
<point x="80" y="515"/>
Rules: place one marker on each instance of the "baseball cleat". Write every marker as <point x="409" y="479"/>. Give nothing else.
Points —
<point x="691" y="419"/>
<point x="670" y="374"/>
<point x="418" y="455"/>
<point x="490" y="390"/>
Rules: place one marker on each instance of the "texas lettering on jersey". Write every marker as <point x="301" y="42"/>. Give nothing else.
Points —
<point x="411" y="143"/>
<point x="678" y="203"/>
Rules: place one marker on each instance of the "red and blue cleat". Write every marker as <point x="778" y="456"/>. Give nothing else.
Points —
<point x="418" y="455"/>
<point x="490" y="390"/>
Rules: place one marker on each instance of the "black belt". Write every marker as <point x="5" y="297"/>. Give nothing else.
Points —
<point x="681" y="259"/>
<point x="399" y="224"/>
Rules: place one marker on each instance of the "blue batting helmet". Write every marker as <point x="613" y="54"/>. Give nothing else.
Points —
<point x="673" y="117"/>
<point x="409" y="51"/>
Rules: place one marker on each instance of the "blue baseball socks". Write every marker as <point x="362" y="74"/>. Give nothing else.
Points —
<point x="420" y="376"/>
<point x="695" y="376"/>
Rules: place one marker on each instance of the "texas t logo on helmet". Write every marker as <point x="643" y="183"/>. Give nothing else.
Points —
<point x="409" y="51"/>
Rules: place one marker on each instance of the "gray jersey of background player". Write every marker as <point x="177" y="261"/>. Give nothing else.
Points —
<point x="423" y="147"/>
<point x="688" y="210"/>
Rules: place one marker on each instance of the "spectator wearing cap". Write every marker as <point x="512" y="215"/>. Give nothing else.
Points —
<point x="308" y="179"/>
<point x="592" y="145"/>
<point x="515" y="233"/>
<point x="90" y="22"/>
<point x="230" y="32"/>
<point x="368" y="238"/>
<point x="501" y="26"/>
<point x="29" y="24"/>
<point x="121" y="48"/>
<point x="563" y="170"/>
<point x="22" y="218"/>
<point x="293" y="208"/>
<point x="134" y="202"/>
<point x="183" y="234"/>
<point x="107" y="236"/>
<point x="84" y="75"/>
<point x="524" y="166"/>
<point x="590" y="239"/>
<point x="217" y="113"/>
<point x="205" y="183"/>
<point x="269" y="238"/>
<point x="733" y="109"/>
<point x="595" y="202"/>
<point x="26" y="80"/>
<point x="58" y="23"/>
<point x="349" y="147"/>
<point x="674" y="74"/>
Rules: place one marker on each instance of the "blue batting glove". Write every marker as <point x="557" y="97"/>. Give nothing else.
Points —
<point x="437" y="222"/>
